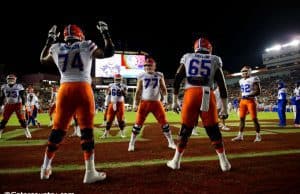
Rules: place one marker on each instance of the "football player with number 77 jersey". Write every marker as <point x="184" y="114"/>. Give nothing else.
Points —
<point x="250" y="88"/>
<point x="150" y="86"/>
<point x="73" y="59"/>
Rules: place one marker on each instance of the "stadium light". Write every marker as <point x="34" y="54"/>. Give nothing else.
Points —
<point x="274" y="48"/>
<point x="292" y="43"/>
<point x="277" y="47"/>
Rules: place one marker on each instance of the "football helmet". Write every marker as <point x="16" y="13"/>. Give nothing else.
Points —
<point x="149" y="65"/>
<point x="73" y="32"/>
<point x="246" y="71"/>
<point x="11" y="79"/>
<point x="117" y="78"/>
<point x="202" y="44"/>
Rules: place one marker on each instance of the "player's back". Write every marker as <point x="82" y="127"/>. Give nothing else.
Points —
<point x="74" y="61"/>
<point x="200" y="68"/>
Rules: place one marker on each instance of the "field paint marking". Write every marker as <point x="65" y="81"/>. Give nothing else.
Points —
<point x="63" y="168"/>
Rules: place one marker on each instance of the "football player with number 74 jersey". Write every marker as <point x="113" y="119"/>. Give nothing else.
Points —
<point x="73" y="59"/>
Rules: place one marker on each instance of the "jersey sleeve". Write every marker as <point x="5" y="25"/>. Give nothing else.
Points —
<point x="160" y="74"/>
<point x="90" y="46"/>
<point x="140" y="76"/>
<point x="183" y="59"/>
<point x="20" y="87"/>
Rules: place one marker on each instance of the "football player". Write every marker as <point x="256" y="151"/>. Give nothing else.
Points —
<point x="281" y="103"/>
<point x="32" y="107"/>
<point x="201" y="70"/>
<point x="250" y="88"/>
<point x="52" y="104"/>
<point x="147" y="100"/>
<point x="73" y="59"/>
<point x="12" y="95"/>
<point x="115" y="105"/>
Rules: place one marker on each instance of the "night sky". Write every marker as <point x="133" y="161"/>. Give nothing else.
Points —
<point x="239" y="33"/>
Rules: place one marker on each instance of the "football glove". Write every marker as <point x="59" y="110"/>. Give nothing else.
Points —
<point x="103" y="28"/>
<point x="223" y="116"/>
<point x="135" y="107"/>
<point x="176" y="107"/>
<point x="52" y="35"/>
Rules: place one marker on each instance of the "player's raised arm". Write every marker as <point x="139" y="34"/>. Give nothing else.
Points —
<point x="52" y="38"/>
<point x="109" y="48"/>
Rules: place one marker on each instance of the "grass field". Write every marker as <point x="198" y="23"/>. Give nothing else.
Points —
<point x="171" y="116"/>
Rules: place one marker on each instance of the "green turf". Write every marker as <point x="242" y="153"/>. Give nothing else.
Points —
<point x="171" y="116"/>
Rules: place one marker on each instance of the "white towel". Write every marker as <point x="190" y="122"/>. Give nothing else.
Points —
<point x="205" y="99"/>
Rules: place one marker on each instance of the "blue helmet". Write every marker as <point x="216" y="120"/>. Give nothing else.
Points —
<point x="281" y="84"/>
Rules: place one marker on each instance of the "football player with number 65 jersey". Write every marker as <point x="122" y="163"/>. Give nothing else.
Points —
<point x="201" y="70"/>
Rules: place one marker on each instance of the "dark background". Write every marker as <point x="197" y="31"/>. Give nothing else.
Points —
<point x="239" y="33"/>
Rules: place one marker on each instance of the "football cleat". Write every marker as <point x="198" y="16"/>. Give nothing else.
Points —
<point x="224" y="128"/>
<point x="173" y="164"/>
<point x="130" y="148"/>
<point x="122" y="134"/>
<point x="45" y="173"/>
<point x="257" y="138"/>
<point x="224" y="163"/>
<point x="27" y="133"/>
<point x="105" y="135"/>
<point x="172" y="146"/>
<point x="93" y="176"/>
<point x="238" y="138"/>
<point x="194" y="132"/>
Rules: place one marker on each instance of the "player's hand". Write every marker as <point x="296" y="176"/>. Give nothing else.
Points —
<point x="102" y="26"/>
<point x="52" y="35"/>
<point x="223" y="116"/>
<point x="135" y="107"/>
<point x="165" y="104"/>
<point x="23" y="109"/>
<point x="176" y="107"/>
<point x="106" y="107"/>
